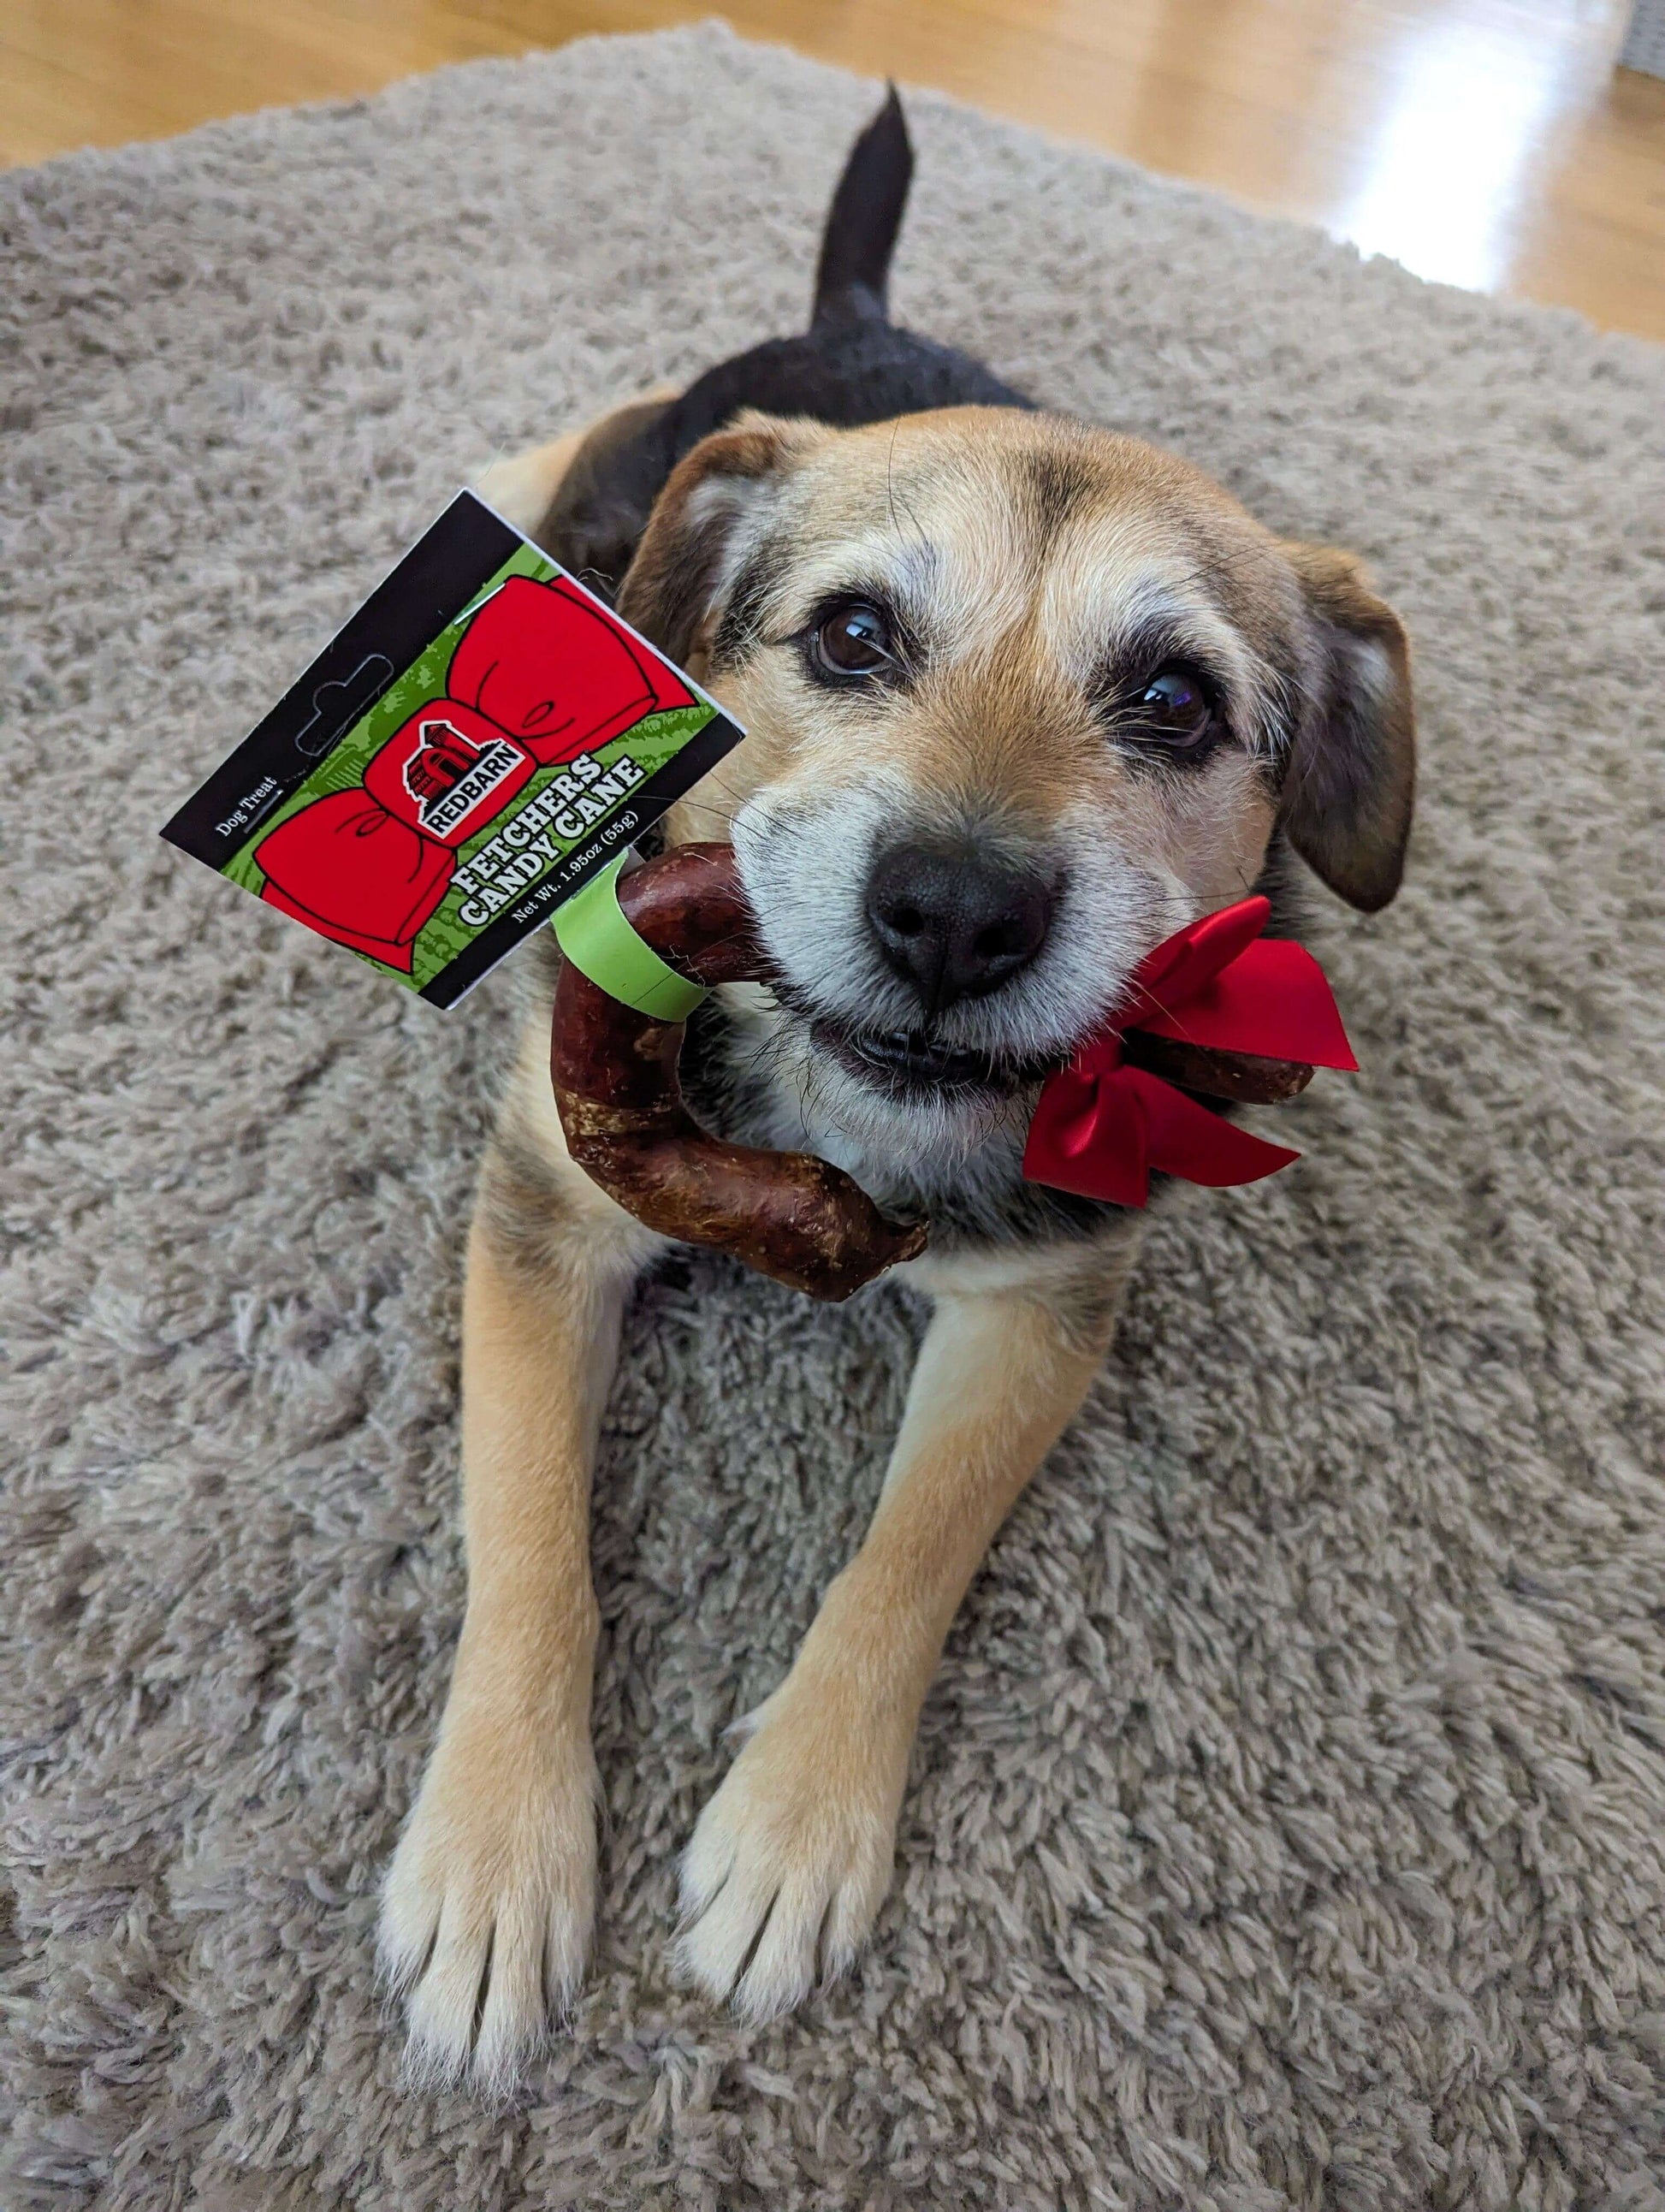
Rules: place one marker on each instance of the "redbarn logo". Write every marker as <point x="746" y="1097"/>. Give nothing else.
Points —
<point x="448" y="776"/>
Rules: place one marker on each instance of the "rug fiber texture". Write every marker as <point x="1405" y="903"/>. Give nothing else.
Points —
<point x="1287" y="1826"/>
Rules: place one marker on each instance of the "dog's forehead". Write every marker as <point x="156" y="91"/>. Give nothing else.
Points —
<point x="979" y="520"/>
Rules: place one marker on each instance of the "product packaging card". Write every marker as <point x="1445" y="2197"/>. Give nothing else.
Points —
<point x="480" y="739"/>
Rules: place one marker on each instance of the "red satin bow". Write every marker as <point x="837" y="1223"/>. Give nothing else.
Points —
<point x="1102" y="1125"/>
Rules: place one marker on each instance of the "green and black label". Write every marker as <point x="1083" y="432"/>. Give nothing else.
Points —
<point x="481" y="736"/>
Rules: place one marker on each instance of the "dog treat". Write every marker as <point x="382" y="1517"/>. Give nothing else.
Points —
<point x="480" y="739"/>
<point x="1242" y="1078"/>
<point x="614" y="1067"/>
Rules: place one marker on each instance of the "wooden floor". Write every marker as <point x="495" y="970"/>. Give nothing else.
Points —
<point x="1489" y="143"/>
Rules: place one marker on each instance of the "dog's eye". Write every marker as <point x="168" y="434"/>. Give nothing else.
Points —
<point x="854" y="640"/>
<point x="1175" y="707"/>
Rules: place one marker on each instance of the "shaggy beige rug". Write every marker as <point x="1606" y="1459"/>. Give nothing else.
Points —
<point x="1288" y="1825"/>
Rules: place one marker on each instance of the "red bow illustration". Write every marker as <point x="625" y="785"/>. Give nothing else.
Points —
<point x="1102" y="1125"/>
<point x="540" y="675"/>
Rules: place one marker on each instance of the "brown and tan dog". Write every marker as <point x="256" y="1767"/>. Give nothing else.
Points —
<point x="1023" y="697"/>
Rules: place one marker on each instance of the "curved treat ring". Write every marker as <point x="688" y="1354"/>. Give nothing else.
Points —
<point x="686" y="926"/>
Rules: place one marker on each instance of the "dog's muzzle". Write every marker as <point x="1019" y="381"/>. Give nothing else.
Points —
<point x="955" y="923"/>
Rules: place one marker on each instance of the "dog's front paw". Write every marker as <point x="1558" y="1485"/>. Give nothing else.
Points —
<point x="792" y="1858"/>
<point x="488" y="1907"/>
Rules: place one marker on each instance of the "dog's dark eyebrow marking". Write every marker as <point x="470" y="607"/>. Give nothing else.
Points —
<point x="1244" y="603"/>
<point x="737" y="633"/>
<point x="1056" y="486"/>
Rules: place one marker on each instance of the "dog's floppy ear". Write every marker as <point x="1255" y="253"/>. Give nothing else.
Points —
<point x="704" y="522"/>
<point x="1350" y="780"/>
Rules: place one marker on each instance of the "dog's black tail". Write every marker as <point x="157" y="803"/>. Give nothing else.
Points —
<point x="862" y="223"/>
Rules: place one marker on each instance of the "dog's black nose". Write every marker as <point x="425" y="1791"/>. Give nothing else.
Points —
<point x="953" y="923"/>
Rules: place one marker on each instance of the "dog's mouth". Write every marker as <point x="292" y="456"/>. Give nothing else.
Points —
<point x="909" y="1065"/>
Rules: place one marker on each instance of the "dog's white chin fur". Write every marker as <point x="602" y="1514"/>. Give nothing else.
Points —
<point x="889" y="1141"/>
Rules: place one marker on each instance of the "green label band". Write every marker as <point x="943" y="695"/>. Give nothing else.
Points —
<point x="593" y="934"/>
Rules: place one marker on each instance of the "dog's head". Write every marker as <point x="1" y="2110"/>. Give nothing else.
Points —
<point x="1022" y="698"/>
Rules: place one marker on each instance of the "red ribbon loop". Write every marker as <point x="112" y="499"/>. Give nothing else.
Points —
<point x="1101" y="1126"/>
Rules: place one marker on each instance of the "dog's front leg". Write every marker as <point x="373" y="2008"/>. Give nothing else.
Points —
<point x="487" y="1905"/>
<point x="792" y="1858"/>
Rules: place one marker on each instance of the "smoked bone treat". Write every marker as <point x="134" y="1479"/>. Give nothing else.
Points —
<point x="787" y="1214"/>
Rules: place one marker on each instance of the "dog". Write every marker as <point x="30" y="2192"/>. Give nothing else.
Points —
<point x="1022" y="696"/>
